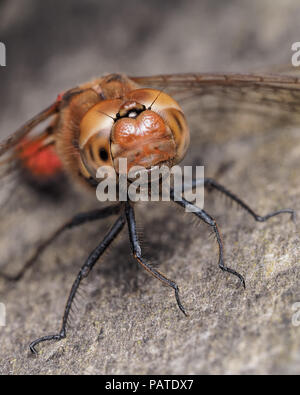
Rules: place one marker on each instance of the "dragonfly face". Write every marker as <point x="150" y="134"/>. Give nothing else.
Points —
<point x="146" y="128"/>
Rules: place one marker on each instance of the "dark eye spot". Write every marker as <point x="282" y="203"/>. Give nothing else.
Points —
<point x="103" y="154"/>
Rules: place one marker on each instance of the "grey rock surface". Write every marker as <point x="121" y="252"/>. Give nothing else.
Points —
<point x="125" y="321"/>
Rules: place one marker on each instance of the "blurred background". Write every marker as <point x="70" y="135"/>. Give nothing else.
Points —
<point x="54" y="45"/>
<point x="130" y="323"/>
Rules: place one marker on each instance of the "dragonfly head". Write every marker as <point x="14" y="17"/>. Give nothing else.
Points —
<point x="147" y="128"/>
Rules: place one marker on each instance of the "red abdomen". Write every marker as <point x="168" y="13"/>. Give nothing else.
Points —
<point x="40" y="162"/>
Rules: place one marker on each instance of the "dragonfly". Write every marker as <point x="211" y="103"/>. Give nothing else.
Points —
<point x="141" y="119"/>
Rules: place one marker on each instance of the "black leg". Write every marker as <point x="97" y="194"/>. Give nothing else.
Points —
<point x="210" y="183"/>
<point x="77" y="220"/>
<point x="84" y="272"/>
<point x="137" y="253"/>
<point x="211" y="222"/>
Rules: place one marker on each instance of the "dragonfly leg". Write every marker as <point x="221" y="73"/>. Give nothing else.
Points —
<point x="83" y="273"/>
<point x="137" y="253"/>
<point x="205" y="217"/>
<point x="77" y="220"/>
<point x="210" y="183"/>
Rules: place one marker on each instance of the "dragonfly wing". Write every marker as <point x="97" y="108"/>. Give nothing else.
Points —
<point x="218" y="106"/>
<point x="25" y="129"/>
<point x="276" y="89"/>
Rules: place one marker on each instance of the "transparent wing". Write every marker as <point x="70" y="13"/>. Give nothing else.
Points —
<point x="278" y="90"/>
<point x="25" y="207"/>
<point x="234" y="115"/>
<point x="222" y="103"/>
<point x="9" y="147"/>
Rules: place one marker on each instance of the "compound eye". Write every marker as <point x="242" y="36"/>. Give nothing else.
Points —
<point x="94" y="139"/>
<point x="153" y="99"/>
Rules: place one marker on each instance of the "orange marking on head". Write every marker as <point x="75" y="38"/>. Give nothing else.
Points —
<point x="129" y="131"/>
<point x="144" y="141"/>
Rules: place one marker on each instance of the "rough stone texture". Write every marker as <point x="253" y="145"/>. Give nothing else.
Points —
<point x="127" y="322"/>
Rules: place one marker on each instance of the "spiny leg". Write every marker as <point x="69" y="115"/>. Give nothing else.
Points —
<point x="77" y="220"/>
<point x="137" y="253"/>
<point x="84" y="272"/>
<point x="205" y="217"/>
<point x="210" y="183"/>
